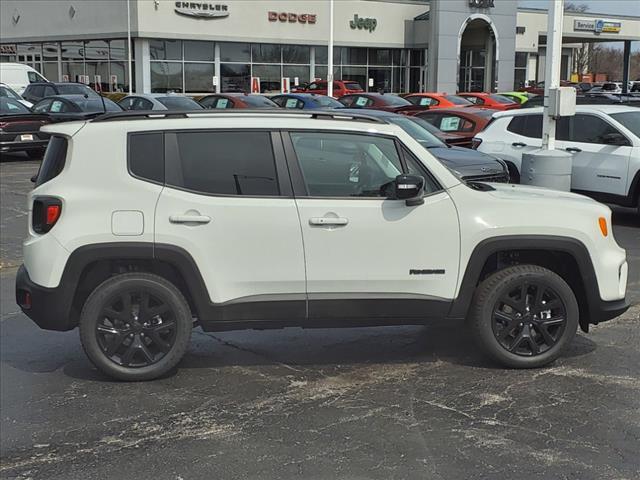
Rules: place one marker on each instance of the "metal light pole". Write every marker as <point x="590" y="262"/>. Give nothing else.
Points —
<point x="552" y="70"/>
<point x="129" y="44"/>
<point x="330" y="52"/>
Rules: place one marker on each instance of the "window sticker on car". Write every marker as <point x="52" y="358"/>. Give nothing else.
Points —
<point x="56" y="106"/>
<point x="362" y="101"/>
<point x="222" y="103"/>
<point x="291" y="103"/>
<point x="425" y="101"/>
<point x="450" y="124"/>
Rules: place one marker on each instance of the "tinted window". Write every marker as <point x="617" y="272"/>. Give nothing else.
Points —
<point x="526" y="125"/>
<point x="590" y="129"/>
<point x="9" y="106"/>
<point x="327" y="102"/>
<point x="42" y="106"/>
<point x="418" y="129"/>
<point x="256" y="101"/>
<point x="415" y="167"/>
<point x="179" y="103"/>
<point x="346" y="165"/>
<point x="74" y="89"/>
<point x="146" y="156"/>
<point x="631" y="120"/>
<point x="502" y="99"/>
<point x="7" y="92"/>
<point x="37" y="91"/>
<point x="48" y="91"/>
<point x="456" y="100"/>
<point x="53" y="161"/>
<point x="229" y="163"/>
<point x="394" y="100"/>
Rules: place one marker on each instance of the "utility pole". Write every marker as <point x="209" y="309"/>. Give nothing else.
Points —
<point x="552" y="70"/>
<point x="129" y="44"/>
<point x="330" y="52"/>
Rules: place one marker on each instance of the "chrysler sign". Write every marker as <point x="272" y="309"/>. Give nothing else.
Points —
<point x="202" y="9"/>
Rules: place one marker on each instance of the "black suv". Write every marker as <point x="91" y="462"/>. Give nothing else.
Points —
<point x="37" y="91"/>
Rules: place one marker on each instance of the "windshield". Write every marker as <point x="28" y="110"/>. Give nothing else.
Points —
<point x="95" y="105"/>
<point x="455" y="99"/>
<point x="179" y="103"/>
<point x="327" y="102"/>
<point x="419" y="130"/>
<point x="7" y="92"/>
<point x="631" y="120"/>
<point x="73" y="89"/>
<point x="502" y="99"/>
<point x="259" y="102"/>
<point x="353" y="86"/>
<point x="394" y="100"/>
<point x="9" y="106"/>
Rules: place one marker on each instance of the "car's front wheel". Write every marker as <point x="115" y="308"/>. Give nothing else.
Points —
<point x="135" y="326"/>
<point x="524" y="316"/>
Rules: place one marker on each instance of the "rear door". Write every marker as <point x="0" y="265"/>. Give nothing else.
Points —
<point x="228" y="203"/>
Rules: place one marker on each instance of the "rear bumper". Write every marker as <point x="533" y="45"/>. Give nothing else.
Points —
<point x="49" y="308"/>
<point x="22" y="146"/>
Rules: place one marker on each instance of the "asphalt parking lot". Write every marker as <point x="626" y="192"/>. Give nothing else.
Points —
<point x="375" y="403"/>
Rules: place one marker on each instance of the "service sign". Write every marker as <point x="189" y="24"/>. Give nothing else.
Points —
<point x="597" y="26"/>
<point x="204" y="10"/>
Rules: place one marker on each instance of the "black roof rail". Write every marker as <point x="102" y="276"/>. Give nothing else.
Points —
<point x="163" y="114"/>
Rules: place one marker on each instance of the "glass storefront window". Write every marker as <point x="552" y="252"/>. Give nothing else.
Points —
<point x="265" y="53"/>
<point x="235" y="52"/>
<point x="300" y="71"/>
<point x="379" y="56"/>
<point x="118" y="79"/>
<point x="31" y="52"/>
<point x="165" y="49"/>
<point x="118" y="49"/>
<point x="198" y="77"/>
<point x="73" y="70"/>
<point x="236" y="77"/>
<point x="269" y="77"/>
<point x="322" y="55"/>
<point x="96" y="50"/>
<point x="50" y="52"/>
<point x="166" y="77"/>
<point x="199" y="51"/>
<point x="397" y="56"/>
<point x="295" y="54"/>
<point x="521" y="59"/>
<point x="72" y="51"/>
<point x="98" y="68"/>
<point x="381" y="80"/>
<point x="357" y="74"/>
<point x="353" y="56"/>
<point x="50" y="71"/>
<point x="417" y="58"/>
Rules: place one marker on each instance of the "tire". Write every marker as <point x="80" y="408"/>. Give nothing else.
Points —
<point x="141" y="338"/>
<point x="512" y="338"/>
<point x="35" y="154"/>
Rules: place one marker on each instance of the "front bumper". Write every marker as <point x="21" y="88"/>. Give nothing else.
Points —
<point x="49" y="308"/>
<point x="604" y="311"/>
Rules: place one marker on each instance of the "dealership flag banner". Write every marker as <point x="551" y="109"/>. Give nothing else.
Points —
<point x="255" y="84"/>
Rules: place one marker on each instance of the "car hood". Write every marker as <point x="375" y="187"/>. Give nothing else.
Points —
<point x="464" y="157"/>
<point x="527" y="192"/>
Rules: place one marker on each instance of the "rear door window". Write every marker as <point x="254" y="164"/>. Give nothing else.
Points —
<point x="53" y="161"/>
<point x="224" y="163"/>
<point x="526" y="125"/>
<point x="146" y="156"/>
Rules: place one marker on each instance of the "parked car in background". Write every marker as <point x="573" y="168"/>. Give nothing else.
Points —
<point x="604" y="141"/>
<point x="520" y="97"/>
<point x="236" y="100"/>
<point x="468" y="165"/>
<point x="20" y="129"/>
<point x="18" y="76"/>
<point x="305" y="101"/>
<point x="378" y="101"/>
<point x="491" y="100"/>
<point x="39" y="90"/>
<point x="158" y="101"/>
<point x="591" y="99"/>
<point x="61" y="108"/>
<point x="437" y="100"/>
<point x="340" y="88"/>
<point x="6" y="91"/>
<point x="461" y="123"/>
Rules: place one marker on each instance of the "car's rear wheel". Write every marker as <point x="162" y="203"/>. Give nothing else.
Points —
<point x="524" y="316"/>
<point x="135" y="326"/>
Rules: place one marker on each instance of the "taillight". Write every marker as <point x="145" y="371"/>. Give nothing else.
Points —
<point x="475" y="143"/>
<point x="3" y="124"/>
<point x="46" y="213"/>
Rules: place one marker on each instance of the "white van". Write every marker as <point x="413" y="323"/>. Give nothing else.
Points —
<point x="17" y="76"/>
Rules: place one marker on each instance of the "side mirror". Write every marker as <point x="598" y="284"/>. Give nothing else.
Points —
<point x="409" y="188"/>
<point x="615" y="138"/>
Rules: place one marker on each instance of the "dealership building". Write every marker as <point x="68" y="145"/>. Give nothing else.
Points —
<point x="197" y="47"/>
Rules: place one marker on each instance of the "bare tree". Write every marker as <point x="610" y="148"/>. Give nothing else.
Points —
<point x="576" y="7"/>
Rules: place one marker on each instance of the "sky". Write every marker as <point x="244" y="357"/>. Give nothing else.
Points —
<point x="608" y="7"/>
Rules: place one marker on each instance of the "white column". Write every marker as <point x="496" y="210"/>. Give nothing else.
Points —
<point x="142" y="65"/>
<point x="330" y="52"/>
<point x="552" y="70"/>
<point x="216" y="68"/>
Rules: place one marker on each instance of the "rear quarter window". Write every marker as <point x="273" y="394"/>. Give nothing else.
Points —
<point x="54" y="160"/>
<point x="146" y="156"/>
<point x="526" y="125"/>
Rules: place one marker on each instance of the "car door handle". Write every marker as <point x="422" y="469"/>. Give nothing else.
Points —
<point x="189" y="219"/>
<point x="573" y="149"/>
<point x="519" y="144"/>
<point x="328" y="221"/>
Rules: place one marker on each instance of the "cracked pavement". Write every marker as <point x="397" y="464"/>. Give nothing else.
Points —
<point x="371" y="403"/>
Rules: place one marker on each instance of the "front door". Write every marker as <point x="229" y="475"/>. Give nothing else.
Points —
<point x="227" y="202"/>
<point x="366" y="255"/>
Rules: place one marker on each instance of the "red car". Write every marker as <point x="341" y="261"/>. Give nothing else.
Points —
<point x="379" y="101"/>
<point x="340" y="88"/>
<point x="236" y="100"/>
<point x="437" y="100"/>
<point x="462" y="123"/>
<point x="490" y="100"/>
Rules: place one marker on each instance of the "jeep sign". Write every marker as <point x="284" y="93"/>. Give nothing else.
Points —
<point x="363" y="23"/>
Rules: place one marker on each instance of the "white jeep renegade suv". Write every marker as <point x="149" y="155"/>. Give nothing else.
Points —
<point x="144" y="225"/>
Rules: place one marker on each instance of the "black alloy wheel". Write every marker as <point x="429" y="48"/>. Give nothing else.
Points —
<point x="529" y="319"/>
<point x="136" y="329"/>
